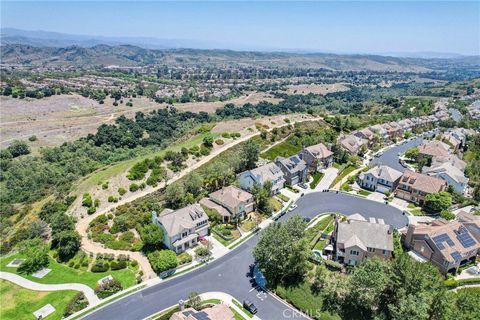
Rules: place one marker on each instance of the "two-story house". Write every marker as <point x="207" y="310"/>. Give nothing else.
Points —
<point x="182" y="228"/>
<point x="414" y="186"/>
<point x="294" y="169"/>
<point x="447" y="244"/>
<point x="366" y="134"/>
<point x="357" y="239"/>
<point x="317" y="157"/>
<point x="380" y="178"/>
<point x="230" y="202"/>
<point x="449" y="173"/>
<point x="269" y="172"/>
<point x="352" y="144"/>
<point x="434" y="148"/>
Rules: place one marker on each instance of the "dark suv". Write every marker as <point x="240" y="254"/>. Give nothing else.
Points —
<point x="249" y="306"/>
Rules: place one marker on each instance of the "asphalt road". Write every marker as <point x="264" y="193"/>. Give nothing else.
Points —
<point x="231" y="273"/>
<point x="390" y="156"/>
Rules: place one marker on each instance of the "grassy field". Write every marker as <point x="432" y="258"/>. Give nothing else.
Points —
<point x="364" y="192"/>
<point x="19" y="303"/>
<point x="284" y="149"/>
<point x="63" y="274"/>
<point x="342" y="175"/>
<point x="317" y="176"/>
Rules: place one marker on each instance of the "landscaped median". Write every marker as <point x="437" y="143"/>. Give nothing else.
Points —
<point x="452" y="283"/>
<point x="342" y="174"/>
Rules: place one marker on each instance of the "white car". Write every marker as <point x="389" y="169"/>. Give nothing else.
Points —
<point x="292" y="207"/>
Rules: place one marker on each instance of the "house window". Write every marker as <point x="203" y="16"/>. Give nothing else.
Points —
<point x="371" y="249"/>
<point x="354" y="252"/>
<point x="184" y="234"/>
<point x="384" y="252"/>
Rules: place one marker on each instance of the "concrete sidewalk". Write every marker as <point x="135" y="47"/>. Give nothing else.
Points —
<point x="22" y="282"/>
<point x="329" y="176"/>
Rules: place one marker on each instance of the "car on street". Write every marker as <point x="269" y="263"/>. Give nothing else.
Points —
<point x="249" y="306"/>
<point x="303" y="185"/>
<point x="292" y="207"/>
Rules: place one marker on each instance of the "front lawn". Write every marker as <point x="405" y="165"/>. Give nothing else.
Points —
<point x="284" y="149"/>
<point x="364" y="193"/>
<point x="343" y="174"/>
<point x="229" y="233"/>
<point x="20" y="303"/>
<point x="63" y="274"/>
<point x="283" y="197"/>
<point x="317" y="176"/>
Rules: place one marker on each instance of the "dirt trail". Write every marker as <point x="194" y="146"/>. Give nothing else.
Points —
<point x="93" y="247"/>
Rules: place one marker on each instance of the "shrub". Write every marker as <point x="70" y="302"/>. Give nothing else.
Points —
<point x="219" y="142"/>
<point x="71" y="263"/>
<point x="162" y="260"/>
<point x="91" y="210"/>
<point x="87" y="200"/>
<point x="121" y="191"/>
<point x="201" y="251"/>
<point x="133" y="187"/>
<point x="36" y="253"/>
<point x="226" y="135"/>
<point x="78" y="302"/>
<point x="32" y="138"/>
<point x="110" y="216"/>
<point x="204" y="151"/>
<point x="112" y="199"/>
<point x="134" y="263"/>
<point x="184" y="258"/>
<point x="118" y="265"/>
<point x="105" y="185"/>
<point x="108" y="288"/>
<point x="100" y="266"/>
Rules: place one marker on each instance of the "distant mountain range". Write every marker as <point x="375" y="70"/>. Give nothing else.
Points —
<point x="50" y="49"/>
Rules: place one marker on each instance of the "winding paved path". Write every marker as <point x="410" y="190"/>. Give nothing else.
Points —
<point x="231" y="273"/>
<point x="22" y="282"/>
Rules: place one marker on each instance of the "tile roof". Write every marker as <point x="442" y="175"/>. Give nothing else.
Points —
<point x="231" y="196"/>
<point x="422" y="182"/>
<point x="434" y="148"/>
<point x="320" y="151"/>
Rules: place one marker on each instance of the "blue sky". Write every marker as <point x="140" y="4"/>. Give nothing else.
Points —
<point x="346" y="27"/>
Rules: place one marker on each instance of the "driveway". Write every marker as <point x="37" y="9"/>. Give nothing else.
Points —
<point x="329" y="175"/>
<point x="231" y="273"/>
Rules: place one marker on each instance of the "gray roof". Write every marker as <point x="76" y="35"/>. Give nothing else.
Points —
<point x="292" y="164"/>
<point x="176" y="221"/>
<point x="267" y="172"/>
<point x="365" y="234"/>
<point x="384" y="172"/>
<point x="449" y="169"/>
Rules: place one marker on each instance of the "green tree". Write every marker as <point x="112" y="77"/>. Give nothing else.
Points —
<point x="262" y="196"/>
<point x="162" y="260"/>
<point x="249" y="154"/>
<point x="368" y="282"/>
<point x="67" y="244"/>
<point x="35" y="253"/>
<point x="61" y="222"/>
<point x="193" y="183"/>
<point x="412" y="153"/>
<point x="152" y="236"/>
<point x="194" y="301"/>
<point x="208" y="141"/>
<point x="175" y="195"/>
<point x="281" y="251"/>
<point x="437" y="202"/>
<point x="18" y="148"/>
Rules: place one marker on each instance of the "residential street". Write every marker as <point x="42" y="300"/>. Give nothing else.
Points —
<point x="230" y="273"/>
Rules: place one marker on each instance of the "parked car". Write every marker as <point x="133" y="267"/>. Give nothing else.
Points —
<point x="292" y="207"/>
<point x="307" y="220"/>
<point x="303" y="185"/>
<point x="249" y="306"/>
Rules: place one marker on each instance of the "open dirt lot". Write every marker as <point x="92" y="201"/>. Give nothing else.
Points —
<point x="57" y="119"/>
<point x="316" y="88"/>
